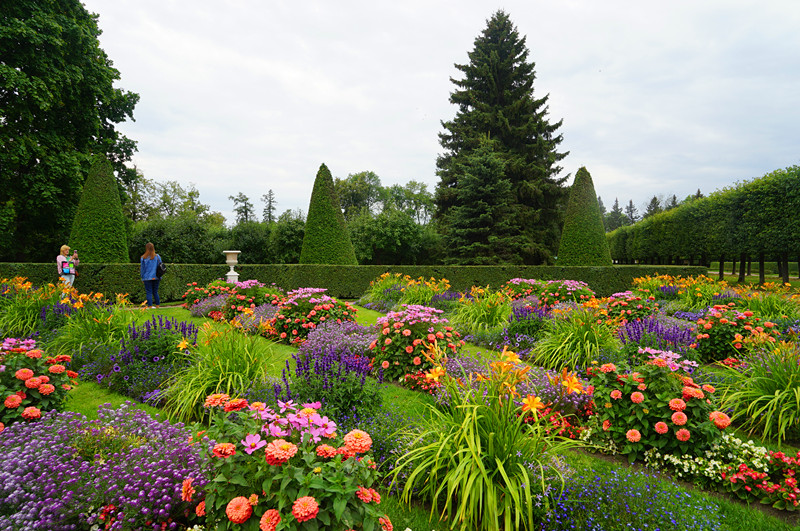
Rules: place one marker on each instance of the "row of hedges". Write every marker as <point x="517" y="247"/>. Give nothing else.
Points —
<point x="754" y="218"/>
<point x="348" y="282"/>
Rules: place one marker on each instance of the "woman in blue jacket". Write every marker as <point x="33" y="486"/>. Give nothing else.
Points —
<point x="147" y="267"/>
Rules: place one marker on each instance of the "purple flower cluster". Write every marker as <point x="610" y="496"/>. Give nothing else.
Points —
<point x="690" y="316"/>
<point x="46" y="482"/>
<point x="669" y="291"/>
<point x="215" y="303"/>
<point x="658" y="333"/>
<point x="334" y="367"/>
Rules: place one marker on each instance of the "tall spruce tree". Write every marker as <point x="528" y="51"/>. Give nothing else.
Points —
<point x="583" y="242"/>
<point x="326" y="239"/>
<point x="481" y="231"/>
<point x="495" y="98"/>
<point x="98" y="230"/>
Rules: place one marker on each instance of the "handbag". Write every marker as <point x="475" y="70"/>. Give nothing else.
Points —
<point x="161" y="268"/>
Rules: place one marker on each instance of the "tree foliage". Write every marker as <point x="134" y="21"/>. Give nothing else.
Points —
<point x="495" y="98"/>
<point x="180" y="240"/>
<point x="481" y="232"/>
<point x="615" y="218"/>
<point x="359" y="192"/>
<point x="583" y="241"/>
<point x="269" y="207"/>
<point x="98" y="229"/>
<point x="244" y="209"/>
<point x="286" y="237"/>
<point x="58" y="107"/>
<point x="326" y="240"/>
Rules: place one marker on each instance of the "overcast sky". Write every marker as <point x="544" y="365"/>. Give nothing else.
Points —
<point x="657" y="98"/>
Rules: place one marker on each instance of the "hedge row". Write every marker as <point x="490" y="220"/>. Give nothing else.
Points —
<point x="348" y="282"/>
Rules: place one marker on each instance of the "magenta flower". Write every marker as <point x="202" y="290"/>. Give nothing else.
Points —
<point x="253" y="442"/>
<point x="313" y="405"/>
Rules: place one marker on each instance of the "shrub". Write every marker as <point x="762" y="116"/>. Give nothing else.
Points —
<point x="123" y="471"/>
<point x="632" y="308"/>
<point x="556" y="291"/>
<point x="573" y="338"/>
<point x="304" y="309"/>
<point x="31" y="382"/>
<point x="204" y="307"/>
<point x="326" y="240"/>
<point x="518" y="288"/>
<point x="652" y="406"/>
<point x="583" y="239"/>
<point x="721" y="333"/>
<point x="477" y="462"/>
<point x="406" y="336"/>
<point x="324" y="485"/>
<point x="194" y="293"/>
<point x="98" y="229"/>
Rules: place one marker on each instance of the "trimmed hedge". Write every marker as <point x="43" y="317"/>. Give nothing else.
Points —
<point x="348" y="282"/>
<point x="583" y="240"/>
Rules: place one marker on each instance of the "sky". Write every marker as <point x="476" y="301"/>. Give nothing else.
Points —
<point x="656" y="98"/>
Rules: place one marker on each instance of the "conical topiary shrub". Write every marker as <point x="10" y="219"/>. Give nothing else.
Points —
<point x="583" y="240"/>
<point x="98" y="230"/>
<point x="326" y="240"/>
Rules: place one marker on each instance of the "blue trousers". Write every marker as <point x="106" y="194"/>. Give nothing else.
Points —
<point x="151" y="289"/>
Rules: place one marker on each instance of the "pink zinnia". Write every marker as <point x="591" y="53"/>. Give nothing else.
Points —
<point x="720" y="419"/>
<point x="637" y="397"/>
<point x="679" y="418"/>
<point x="23" y="374"/>
<point x="239" y="510"/>
<point x="224" y="450"/>
<point x="305" y="508"/>
<point x="46" y="389"/>
<point x="386" y="524"/>
<point x="30" y="413"/>
<point x="683" y="434"/>
<point x="57" y="369"/>
<point x="606" y="425"/>
<point x="662" y="428"/>
<point x="33" y="383"/>
<point x="279" y="451"/>
<point x="327" y="451"/>
<point x="616" y="394"/>
<point x="633" y="435"/>
<point x="12" y="401"/>
<point x="364" y="494"/>
<point x="608" y="367"/>
<point x="358" y="441"/>
<point x="676" y="404"/>
<point x="217" y="399"/>
<point x="270" y="520"/>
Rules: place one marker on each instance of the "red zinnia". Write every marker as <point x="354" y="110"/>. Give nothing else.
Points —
<point x="235" y="404"/>
<point x="200" y="510"/>
<point x="57" y="369"/>
<point x="33" y="383"/>
<point x="326" y="450"/>
<point x="683" y="434"/>
<point x="720" y="419"/>
<point x="30" y="413"/>
<point x="637" y="397"/>
<point x="187" y="491"/>
<point x="364" y="494"/>
<point x="12" y="401"/>
<point x="217" y="399"/>
<point x="662" y="428"/>
<point x="305" y="508"/>
<point x="46" y="389"/>
<point x="23" y="374"/>
<point x="633" y="435"/>
<point x="676" y="404"/>
<point x="386" y="524"/>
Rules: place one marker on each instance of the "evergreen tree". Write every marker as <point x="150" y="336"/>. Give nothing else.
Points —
<point x="672" y="202"/>
<point x="616" y="218"/>
<point x="269" y="207"/>
<point x="583" y="242"/>
<point x="245" y="211"/>
<point x="326" y="240"/>
<point x="653" y="207"/>
<point x="632" y="213"/>
<point x="495" y="98"/>
<point x="601" y="206"/>
<point x="98" y="230"/>
<point x="480" y="228"/>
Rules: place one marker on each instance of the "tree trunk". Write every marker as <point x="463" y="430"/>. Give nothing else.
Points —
<point x="761" y="279"/>
<point x="785" y="268"/>
<point x="722" y="267"/>
<point x="749" y="266"/>
<point x="742" y="260"/>
<point x="691" y="260"/>
<point x="733" y="266"/>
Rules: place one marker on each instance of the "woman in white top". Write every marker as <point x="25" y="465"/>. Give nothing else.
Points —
<point x="66" y="265"/>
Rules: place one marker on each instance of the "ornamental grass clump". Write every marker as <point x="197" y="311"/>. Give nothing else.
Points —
<point x="573" y="338"/>
<point x="651" y="406"/>
<point x="31" y="381"/>
<point x="384" y="293"/>
<point x="405" y="336"/>
<point x="484" y="311"/>
<point x="122" y="471"/>
<point x="764" y="391"/>
<point x="304" y="309"/>
<point x="420" y="291"/>
<point x="286" y="469"/>
<point x="477" y="461"/>
<point x="22" y="304"/>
